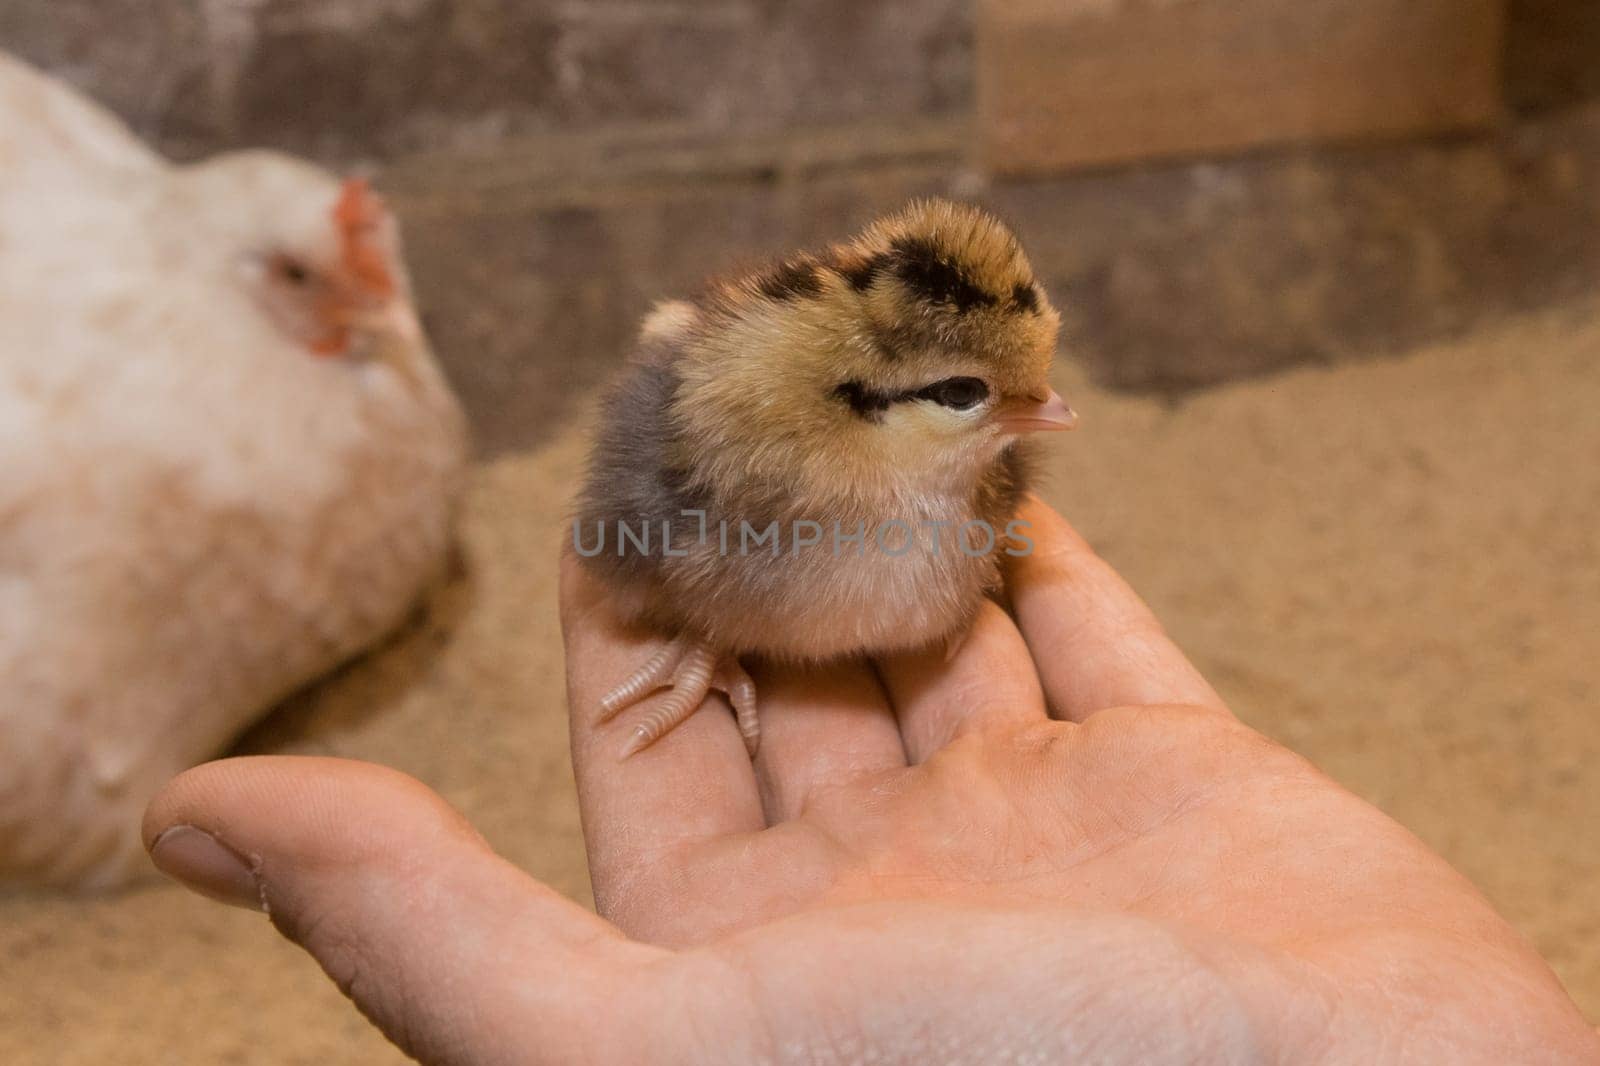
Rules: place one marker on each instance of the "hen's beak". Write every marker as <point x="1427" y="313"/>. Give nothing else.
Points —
<point x="350" y="327"/>
<point x="1035" y="414"/>
<point x="393" y="318"/>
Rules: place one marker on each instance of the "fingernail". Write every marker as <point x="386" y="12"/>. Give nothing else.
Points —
<point x="200" y="862"/>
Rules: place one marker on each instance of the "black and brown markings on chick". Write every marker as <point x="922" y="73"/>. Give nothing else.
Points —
<point x="886" y="379"/>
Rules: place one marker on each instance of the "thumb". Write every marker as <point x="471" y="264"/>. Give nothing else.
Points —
<point x="458" y="956"/>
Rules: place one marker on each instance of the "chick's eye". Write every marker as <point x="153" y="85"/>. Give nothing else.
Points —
<point x="958" y="394"/>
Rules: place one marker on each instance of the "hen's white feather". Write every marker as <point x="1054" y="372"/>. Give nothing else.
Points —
<point x="196" y="514"/>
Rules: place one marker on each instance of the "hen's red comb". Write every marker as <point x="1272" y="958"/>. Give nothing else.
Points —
<point x="361" y="218"/>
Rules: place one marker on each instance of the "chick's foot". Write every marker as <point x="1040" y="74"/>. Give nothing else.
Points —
<point x="691" y="670"/>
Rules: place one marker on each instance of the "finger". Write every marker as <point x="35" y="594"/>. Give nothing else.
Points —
<point x="644" y="816"/>
<point x="455" y="954"/>
<point x="989" y="684"/>
<point x="820" y="729"/>
<point x="1096" y="644"/>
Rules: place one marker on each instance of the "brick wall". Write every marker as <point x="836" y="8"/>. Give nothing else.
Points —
<point x="346" y="78"/>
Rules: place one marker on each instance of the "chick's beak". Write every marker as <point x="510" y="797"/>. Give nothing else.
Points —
<point x="1035" y="414"/>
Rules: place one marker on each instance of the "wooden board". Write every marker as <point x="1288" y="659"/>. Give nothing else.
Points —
<point x="1073" y="83"/>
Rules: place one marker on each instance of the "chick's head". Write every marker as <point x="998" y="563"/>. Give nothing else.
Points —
<point x="906" y="359"/>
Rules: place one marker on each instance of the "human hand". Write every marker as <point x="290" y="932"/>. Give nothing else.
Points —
<point x="922" y="866"/>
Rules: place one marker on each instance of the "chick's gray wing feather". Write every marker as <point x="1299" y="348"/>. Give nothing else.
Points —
<point x="633" y="482"/>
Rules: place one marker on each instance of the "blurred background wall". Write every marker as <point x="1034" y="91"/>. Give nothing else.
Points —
<point x="349" y="79"/>
<point x="561" y="163"/>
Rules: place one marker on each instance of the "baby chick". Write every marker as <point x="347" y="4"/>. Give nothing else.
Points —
<point x="820" y="459"/>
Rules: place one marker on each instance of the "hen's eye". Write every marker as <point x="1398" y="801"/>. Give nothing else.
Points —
<point x="958" y="394"/>
<point x="291" y="270"/>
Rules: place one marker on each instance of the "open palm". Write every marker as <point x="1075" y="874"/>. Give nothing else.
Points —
<point x="1056" y="846"/>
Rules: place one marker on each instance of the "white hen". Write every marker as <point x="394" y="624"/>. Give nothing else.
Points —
<point x="227" y="461"/>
